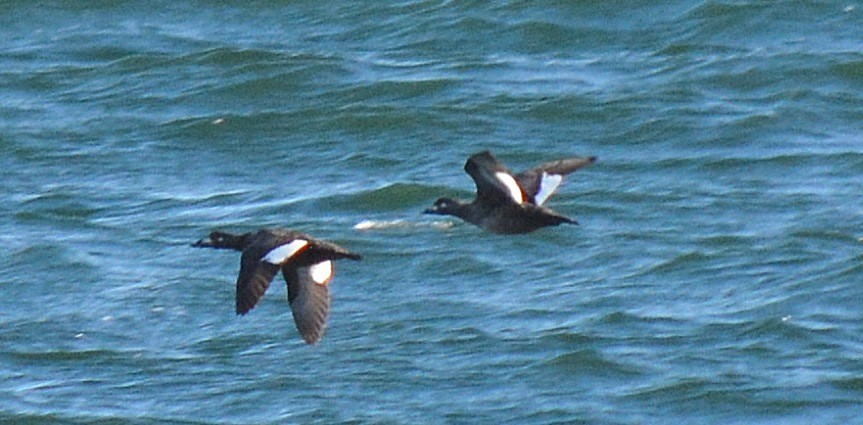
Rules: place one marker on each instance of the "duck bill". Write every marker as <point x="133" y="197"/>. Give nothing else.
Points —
<point x="203" y="243"/>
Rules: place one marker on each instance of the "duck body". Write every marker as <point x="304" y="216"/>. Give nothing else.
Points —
<point x="503" y="218"/>
<point x="306" y="265"/>
<point x="509" y="203"/>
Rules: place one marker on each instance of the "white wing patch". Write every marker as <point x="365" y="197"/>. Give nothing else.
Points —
<point x="511" y="185"/>
<point x="282" y="253"/>
<point x="547" y="185"/>
<point x="321" y="272"/>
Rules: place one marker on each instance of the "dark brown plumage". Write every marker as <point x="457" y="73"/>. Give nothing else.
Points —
<point x="306" y="265"/>
<point x="507" y="203"/>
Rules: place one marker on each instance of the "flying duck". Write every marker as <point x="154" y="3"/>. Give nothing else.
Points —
<point x="510" y="203"/>
<point x="306" y="264"/>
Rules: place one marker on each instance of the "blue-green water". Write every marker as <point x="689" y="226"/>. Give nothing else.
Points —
<point x="715" y="278"/>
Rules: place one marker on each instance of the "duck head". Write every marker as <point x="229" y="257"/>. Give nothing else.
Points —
<point x="444" y="206"/>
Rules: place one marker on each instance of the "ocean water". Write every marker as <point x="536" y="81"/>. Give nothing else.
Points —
<point x="715" y="277"/>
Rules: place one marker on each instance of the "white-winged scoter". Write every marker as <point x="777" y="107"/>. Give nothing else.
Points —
<point x="510" y="203"/>
<point x="306" y="264"/>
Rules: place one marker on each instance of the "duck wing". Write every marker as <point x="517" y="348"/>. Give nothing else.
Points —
<point x="258" y="266"/>
<point x="540" y="183"/>
<point x="309" y="297"/>
<point x="494" y="183"/>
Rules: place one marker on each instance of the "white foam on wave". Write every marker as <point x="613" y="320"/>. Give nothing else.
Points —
<point x="398" y="224"/>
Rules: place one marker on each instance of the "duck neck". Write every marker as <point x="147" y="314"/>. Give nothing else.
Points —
<point x="463" y="210"/>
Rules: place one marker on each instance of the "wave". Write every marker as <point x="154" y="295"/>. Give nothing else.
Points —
<point x="401" y="224"/>
<point x="391" y="197"/>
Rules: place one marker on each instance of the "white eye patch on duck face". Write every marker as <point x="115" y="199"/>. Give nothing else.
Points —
<point x="282" y="253"/>
<point x="511" y="185"/>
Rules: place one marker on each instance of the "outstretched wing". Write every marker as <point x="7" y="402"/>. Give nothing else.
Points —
<point x="540" y="183"/>
<point x="494" y="183"/>
<point x="309" y="297"/>
<point x="258" y="266"/>
<point x="255" y="278"/>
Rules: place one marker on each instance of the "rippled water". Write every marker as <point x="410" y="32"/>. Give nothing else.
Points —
<point x="715" y="277"/>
